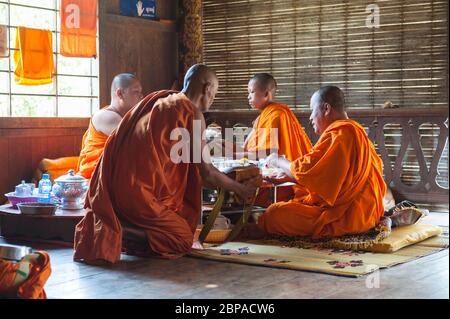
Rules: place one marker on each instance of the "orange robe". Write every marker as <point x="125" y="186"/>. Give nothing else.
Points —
<point x="341" y="187"/>
<point x="91" y="150"/>
<point x="292" y="141"/>
<point x="136" y="182"/>
<point x="25" y="283"/>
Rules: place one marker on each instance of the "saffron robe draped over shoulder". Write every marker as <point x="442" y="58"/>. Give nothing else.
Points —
<point x="91" y="149"/>
<point x="137" y="182"/>
<point x="291" y="141"/>
<point x="340" y="190"/>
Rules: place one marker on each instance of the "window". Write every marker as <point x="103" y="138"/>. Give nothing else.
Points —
<point x="309" y="43"/>
<point x="74" y="90"/>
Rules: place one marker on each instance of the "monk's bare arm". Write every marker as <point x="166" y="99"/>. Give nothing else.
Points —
<point x="106" y="121"/>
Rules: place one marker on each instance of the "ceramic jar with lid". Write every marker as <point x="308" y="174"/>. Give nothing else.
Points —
<point x="71" y="190"/>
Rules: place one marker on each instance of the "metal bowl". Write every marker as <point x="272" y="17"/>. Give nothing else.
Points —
<point x="37" y="208"/>
<point x="13" y="252"/>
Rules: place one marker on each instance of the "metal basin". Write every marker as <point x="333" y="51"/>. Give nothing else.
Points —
<point x="13" y="252"/>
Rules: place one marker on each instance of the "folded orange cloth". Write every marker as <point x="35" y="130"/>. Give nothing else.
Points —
<point x="56" y="167"/>
<point x="25" y="279"/>
<point x="33" y="57"/>
<point x="78" y="28"/>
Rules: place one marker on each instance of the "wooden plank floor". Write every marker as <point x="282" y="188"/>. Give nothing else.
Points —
<point x="136" y="278"/>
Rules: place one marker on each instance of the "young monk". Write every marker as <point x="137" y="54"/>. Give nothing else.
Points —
<point x="126" y="92"/>
<point x="291" y="140"/>
<point x="276" y="130"/>
<point x="140" y="192"/>
<point x="340" y="180"/>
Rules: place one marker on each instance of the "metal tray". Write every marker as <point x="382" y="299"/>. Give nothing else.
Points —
<point x="13" y="252"/>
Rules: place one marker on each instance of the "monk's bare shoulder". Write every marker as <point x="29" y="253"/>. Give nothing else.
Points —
<point x="106" y="121"/>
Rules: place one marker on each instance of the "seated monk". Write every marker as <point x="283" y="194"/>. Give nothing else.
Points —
<point x="288" y="137"/>
<point x="340" y="181"/>
<point x="126" y="91"/>
<point x="276" y="130"/>
<point x="144" y="196"/>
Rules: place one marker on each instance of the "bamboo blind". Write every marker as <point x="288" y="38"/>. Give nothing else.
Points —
<point x="308" y="43"/>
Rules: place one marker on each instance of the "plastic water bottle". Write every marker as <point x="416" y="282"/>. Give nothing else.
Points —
<point x="45" y="188"/>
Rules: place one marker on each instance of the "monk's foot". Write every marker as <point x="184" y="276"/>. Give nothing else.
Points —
<point x="197" y="245"/>
<point x="95" y="262"/>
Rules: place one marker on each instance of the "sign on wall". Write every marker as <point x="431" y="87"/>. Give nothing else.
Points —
<point x="138" y="8"/>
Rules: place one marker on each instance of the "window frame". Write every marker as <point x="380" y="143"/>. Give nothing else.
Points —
<point x="56" y="31"/>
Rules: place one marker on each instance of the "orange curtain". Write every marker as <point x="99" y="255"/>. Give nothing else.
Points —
<point x="79" y="28"/>
<point x="33" y="57"/>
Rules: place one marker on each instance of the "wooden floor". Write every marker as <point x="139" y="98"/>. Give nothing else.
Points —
<point x="187" y="277"/>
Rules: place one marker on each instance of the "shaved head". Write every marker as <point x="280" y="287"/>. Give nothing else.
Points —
<point x="122" y="81"/>
<point x="331" y="95"/>
<point x="265" y="81"/>
<point x="198" y="75"/>
<point x="327" y="106"/>
<point x="200" y="86"/>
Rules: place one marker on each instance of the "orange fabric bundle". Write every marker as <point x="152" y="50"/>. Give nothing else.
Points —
<point x="292" y="140"/>
<point x="55" y="167"/>
<point x="79" y="28"/>
<point x="137" y="183"/>
<point x="25" y="283"/>
<point x="33" y="57"/>
<point x="91" y="151"/>
<point x="341" y="187"/>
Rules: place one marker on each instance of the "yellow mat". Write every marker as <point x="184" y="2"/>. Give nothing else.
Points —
<point x="324" y="260"/>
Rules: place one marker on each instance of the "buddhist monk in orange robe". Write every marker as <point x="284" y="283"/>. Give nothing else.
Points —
<point x="276" y="129"/>
<point x="340" y="181"/>
<point x="144" y="197"/>
<point x="126" y="91"/>
<point x="291" y="139"/>
<point x="26" y="278"/>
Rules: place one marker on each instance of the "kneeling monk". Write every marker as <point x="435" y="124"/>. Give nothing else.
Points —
<point x="341" y="184"/>
<point x="141" y="192"/>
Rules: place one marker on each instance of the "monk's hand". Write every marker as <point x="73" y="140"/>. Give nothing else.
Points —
<point x="278" y="178"/>
<point x="247" y="189"/>
<point x="272" y="161"/>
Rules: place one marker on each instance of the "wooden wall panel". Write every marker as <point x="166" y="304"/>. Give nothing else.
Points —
<point x="22" y="148"/>
<point x="144" y="47"/>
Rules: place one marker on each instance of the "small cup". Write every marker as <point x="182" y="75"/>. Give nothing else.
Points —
<point x="23" y="190"/>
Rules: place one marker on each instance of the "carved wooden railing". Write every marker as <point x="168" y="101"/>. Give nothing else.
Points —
<point x="398" y="135"/>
